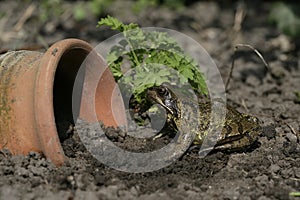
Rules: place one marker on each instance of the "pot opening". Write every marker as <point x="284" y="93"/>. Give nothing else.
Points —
<point x="65" y="75"/>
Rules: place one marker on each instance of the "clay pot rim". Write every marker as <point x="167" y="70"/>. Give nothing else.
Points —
<point x="48" y="136"/>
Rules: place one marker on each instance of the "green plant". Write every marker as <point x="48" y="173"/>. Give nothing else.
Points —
<point x="79" y="11"/>
<point x="155" y="56"/>
<point x="95" y="7"/>
<point x="294" y="194"/>
<point x="297" y="99"/>
<point x="174" y="4"/>
<point x="285" y="17"/>
<point x="98" y="6"/>
<point x="141" y="5"/>
<point x="49" y="8"/>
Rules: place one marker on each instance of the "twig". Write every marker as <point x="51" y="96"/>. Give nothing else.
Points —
<point x="245" y="106"/>
<point x="233" y="60"/>
<point x="293" y="131"/>
<point x="28" y="12"/>
<point x="239" y="17"/>
<point x="4" y="154"/>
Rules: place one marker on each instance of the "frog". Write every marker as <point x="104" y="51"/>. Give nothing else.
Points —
<point x="239" y="131"/>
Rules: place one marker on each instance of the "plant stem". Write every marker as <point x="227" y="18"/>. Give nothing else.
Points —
<point x="132" y="50"/>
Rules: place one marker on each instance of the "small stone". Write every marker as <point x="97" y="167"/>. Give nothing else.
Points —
<point x="8" y="170"/>
<point x="269" y="131"/>
<point x="274" y="168"/>
<point x="263" y="198"/>
<point x="297" y="172"/>
<point x="37" y="171"/>
<point x="99" y="179"/>
<point x="291" y="137"/>
<point x="253" y="81"/>
<point x="42" y="163"/>
<point x="35" y="155"/>
<point x="284" y="116"/>
<point x="20" y="171"/>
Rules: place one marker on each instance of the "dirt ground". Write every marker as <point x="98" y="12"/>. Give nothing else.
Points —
<point x="269" y="171"/>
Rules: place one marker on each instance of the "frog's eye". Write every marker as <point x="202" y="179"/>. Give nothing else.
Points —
<point x="252" y="119"/>
<point x="255" y="119"/>
<point x="163" y="91"/>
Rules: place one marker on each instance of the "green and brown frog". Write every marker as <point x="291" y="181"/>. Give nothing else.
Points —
<point x="239" y="130"/>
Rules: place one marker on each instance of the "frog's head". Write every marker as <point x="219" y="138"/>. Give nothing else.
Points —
<point x="167" y="99"/>
<point x="250" y="123"/>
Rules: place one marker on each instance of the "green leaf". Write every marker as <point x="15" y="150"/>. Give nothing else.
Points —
<point x="116" y="53"/>
<point x="115" y="24"/>
<point x="297" y="99"/>
<point x="154" y="55"/>
<point x="285" y="18"/>
<point x="294" y="194"/>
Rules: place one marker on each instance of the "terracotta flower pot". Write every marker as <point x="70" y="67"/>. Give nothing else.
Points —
<point x="36" y="97"/>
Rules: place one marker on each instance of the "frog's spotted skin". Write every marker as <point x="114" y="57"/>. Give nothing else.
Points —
<point x="238" y="132"/>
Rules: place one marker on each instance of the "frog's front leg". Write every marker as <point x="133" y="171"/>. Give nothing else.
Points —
<point x="158" y="136"/>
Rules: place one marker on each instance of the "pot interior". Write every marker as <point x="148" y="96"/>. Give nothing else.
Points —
<point x="65" y="75"/>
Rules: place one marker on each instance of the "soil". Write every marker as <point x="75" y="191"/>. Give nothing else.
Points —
<point x="270" y="170"/>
